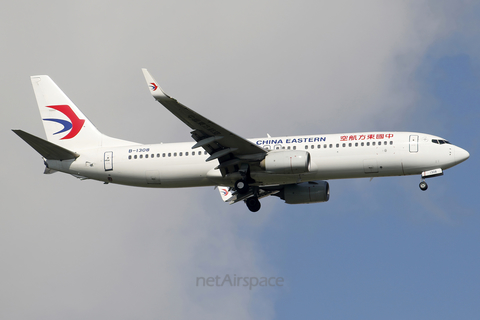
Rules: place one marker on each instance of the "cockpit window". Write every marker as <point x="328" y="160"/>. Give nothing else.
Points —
<point x="440" y="141"/>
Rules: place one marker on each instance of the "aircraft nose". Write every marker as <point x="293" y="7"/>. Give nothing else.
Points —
<point x="461" y="155"/>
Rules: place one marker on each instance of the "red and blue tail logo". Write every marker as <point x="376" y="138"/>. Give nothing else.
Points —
<point x="74" y="125"/>
<point x="153" y="86"/>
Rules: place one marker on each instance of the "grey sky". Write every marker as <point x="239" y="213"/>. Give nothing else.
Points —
<point x="74" y="249"/>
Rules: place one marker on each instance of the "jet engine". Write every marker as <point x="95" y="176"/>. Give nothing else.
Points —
<point x="286" y="162"/>
<point x="307" y="192"/>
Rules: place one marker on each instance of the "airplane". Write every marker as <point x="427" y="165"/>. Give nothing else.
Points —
<point x="293" y="168"/>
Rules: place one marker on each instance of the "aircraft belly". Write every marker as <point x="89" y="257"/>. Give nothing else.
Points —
<point x="339" y="167"/>
<point x="266" y="178"/>
<point x="184" y="175"/>
<point x="359" y="166"/>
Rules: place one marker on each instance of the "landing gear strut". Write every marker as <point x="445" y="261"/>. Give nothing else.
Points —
<point x="253" y="204"/>
<point x="423" y="185"/>
<point x="241" y="185"/>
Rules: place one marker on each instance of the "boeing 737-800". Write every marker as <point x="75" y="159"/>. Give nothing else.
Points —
<point x="293" y="168"/>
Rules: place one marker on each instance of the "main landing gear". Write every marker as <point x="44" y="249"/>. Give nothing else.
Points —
<point x="253" y="204"/>
<point x="241" y="186"/>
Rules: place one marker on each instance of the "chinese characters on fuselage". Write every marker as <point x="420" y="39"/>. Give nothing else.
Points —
<point x="370" y="136"/>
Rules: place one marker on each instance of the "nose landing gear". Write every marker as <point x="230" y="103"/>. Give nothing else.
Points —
<point x="429" y="174"/>
<point x="423" y="185"/>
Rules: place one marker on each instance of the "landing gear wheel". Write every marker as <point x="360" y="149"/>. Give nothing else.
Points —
<point x="241" y="186"/>
<point x="253" y="204"/>
<point x="423" y="186"/>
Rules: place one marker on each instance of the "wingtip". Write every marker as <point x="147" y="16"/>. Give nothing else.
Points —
<point x="153" y="86"/>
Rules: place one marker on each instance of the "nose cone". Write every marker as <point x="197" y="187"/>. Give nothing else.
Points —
<point x="461" y="155"/>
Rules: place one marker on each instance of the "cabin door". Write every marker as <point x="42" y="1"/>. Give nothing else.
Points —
<point x="108" y="161"/>
<point x="413" y="143"/>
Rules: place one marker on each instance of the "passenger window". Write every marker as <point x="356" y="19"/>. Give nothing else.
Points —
<point x="129" y="157"/>
<point x="146" y="156"/>
<point x="325" y="146"/>
<point x="294" y="147"/>
<point x="331" y="145"/>
<point x="163" y="155"/>
<point x="174" y="154"/>
<point x="391" y="142"/>
<point x="169" y="154"/>
<point x="186" y="154"/>
<point x="356" y="144"/>
<point x="343" y="145"/>
<point x="318" y="147"/>
<point x="368" y="143"/>
<point x="373" y="143"/>
<point x="337" y="145"/>
<point x="306" y="147"/>
<point x="312" y="147"/>
<point x="205" y="152"/>
<point x="350" y="144"/>
<point x="362" y="144"/>
<point x="158" y="155"/>
<point x="141" y="156"/>
<point x="288" y="147"/>
<point x="135" y="157"/>
<point x="180" y="154"/>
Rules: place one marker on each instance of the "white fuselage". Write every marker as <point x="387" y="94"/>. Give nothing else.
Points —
<point x="333" y="156"/>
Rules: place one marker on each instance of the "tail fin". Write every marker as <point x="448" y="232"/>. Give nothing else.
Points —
<point x="65" y="125"/>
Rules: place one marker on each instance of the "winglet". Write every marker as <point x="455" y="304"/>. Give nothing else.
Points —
<point x="153" y="86"/>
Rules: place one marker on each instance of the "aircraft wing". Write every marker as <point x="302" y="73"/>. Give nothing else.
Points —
<point x="230" y="149"/>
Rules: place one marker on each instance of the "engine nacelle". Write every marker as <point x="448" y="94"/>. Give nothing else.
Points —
<point x="307" y="192"/>
<point x="286" y="162"/>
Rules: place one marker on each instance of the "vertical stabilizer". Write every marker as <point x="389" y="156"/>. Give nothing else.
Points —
<point x="64" y="124"/>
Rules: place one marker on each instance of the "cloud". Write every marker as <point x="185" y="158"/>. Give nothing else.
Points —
<point x="82" y="248"/>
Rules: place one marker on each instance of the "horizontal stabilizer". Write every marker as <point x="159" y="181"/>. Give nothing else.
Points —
<point x="48" y="150"/>
<point x="225" y="193"/>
